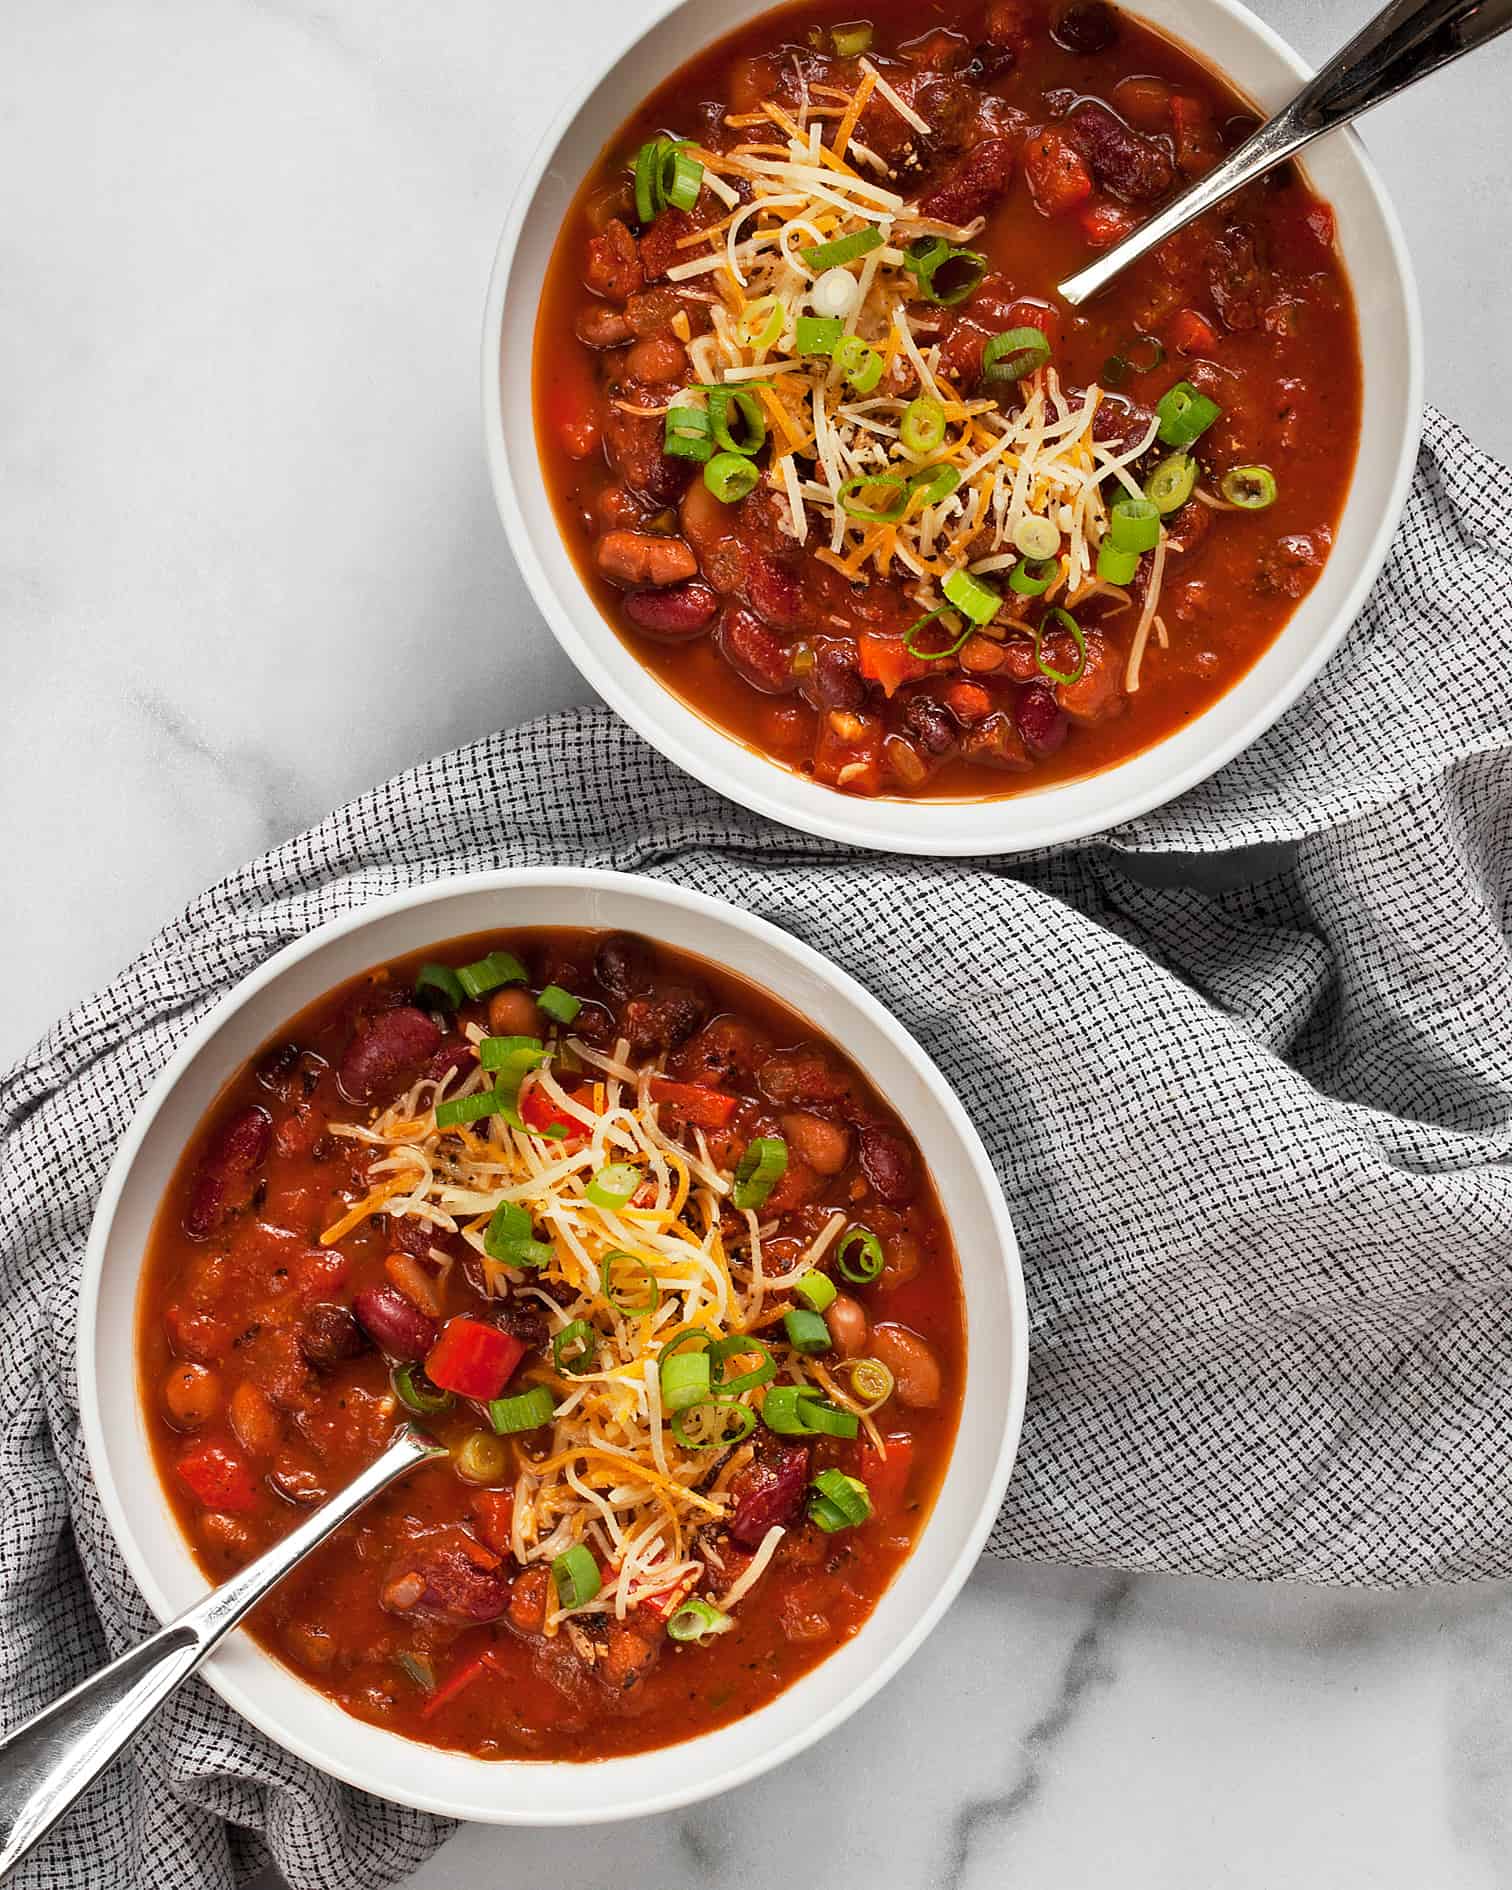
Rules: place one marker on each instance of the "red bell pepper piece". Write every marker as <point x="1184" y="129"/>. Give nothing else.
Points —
<point x="494" y="1510"/>
<point x="1056" y="172"/>
<point x="462" y="1677"/>
<point x="704" y="1108"/>
<point x="218" y="1478"/>
<point x="540" y="1113"/>
<point x="886" y="1478"/>
<point x="889" y="661"/>
<point x="1191" y="333"/>
<point x="473" y="1359"/>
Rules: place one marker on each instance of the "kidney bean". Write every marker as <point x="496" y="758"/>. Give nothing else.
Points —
<point x="755" y="652"/>
<point x="1084" y="26"/>
<point x="930" y="725"/>
<point x="1235" y="277"/>
<point x="1129" y="166"/>
<point x="386" y="1054"/>
<point x="676" y="613"/>
<point x="613" y="268"/>
<point x="773" y="592"/>
<point x="915" y="1369"/>
<point x="623" y="965"/>
<point x="974" y="185"/>
<point x="525" y="1323"/>
<point x="890" y="1165"/>
<point x="769" y="1494"/>
<point x="665" y="1018"/>
<point x="644" y="558"/>
<point x="455" y="1055"/>
<point x="393" y="1324"/>
<point x="1190" y="526"/>
<point x="659" y="245"/>
<point x="1041" y="720"/>
<point x="834" y="681"/>
<point x="226" y="1178"/>
<point x="329" y="1334"/>
<point x="1120" y="422"/>
<point x="634" y="444"/>
<point x="801" y="1078"/>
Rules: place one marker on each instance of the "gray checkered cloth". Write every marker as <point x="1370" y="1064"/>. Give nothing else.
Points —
<point x="1254" y="1140"/>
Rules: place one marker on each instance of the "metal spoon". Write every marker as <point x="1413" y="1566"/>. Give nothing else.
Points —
<point x="47" y="1762"/>
<point x="1402" y="44"/>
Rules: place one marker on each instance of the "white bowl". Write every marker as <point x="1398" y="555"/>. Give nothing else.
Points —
<point x="525" y="1791"/>
<point x="1229" y="37"/>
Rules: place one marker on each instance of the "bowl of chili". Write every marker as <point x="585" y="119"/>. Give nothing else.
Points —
<point x="753" y="452"/>
<point x="275" y="1343"/>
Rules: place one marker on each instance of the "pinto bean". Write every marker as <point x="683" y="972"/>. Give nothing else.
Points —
<point x="644" y="558"/>
<point x="974" y="185"/>
<point x="330" y="1334"/>
<point x="996" y="743"/>
<point x="902" y="1259"/>
<point x="657" y="358"/>
<point x="727" y="1049"/>
<point x="910" y="1359"/>
<point x="635" y="445"/>
<point x="890" y="1165"/>
<point x="253" y="1419"/>
<point x="527" y="1599"/>
<point x="386" y="1054"/>
<point x="191" y="1394"/>
<point x="801" y="1078"/>
<point x="1098" y="692"/>
<point x="678" y="612"/>
<point x="1129" y="166"/>
<point x="514" y="1013"/>
<point x="601" y="326"/>
<point x="393" y="1324"/>
<point x="226" y="1178"/>
<point x="1040" y="719"/>
<point x="613" y="266"/>
<point x="980" y="656"/>
<point x="825" y="1146"/>
<point x="848" y="1325"/>
<point x="417" y="1280"/>
<point x="623" y="965"/>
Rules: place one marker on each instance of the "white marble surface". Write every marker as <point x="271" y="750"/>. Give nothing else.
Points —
<point x="249" y="566"/>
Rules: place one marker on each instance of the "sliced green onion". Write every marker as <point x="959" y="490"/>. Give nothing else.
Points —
<point x="826" y="1419"/>
<point x="686" y="177"/>
<point x="715" y="1424"/>
<point x="859" y="362"/>
<point x="943" y="611"/>
<point x="641" y="1309"/>
<point x="976" y="600"/>
<point x="729" y="477"/>
<point x="770" y="314"/>
<point x="697" y="1620"/>
<point x="685" y="433"/>
<point x="574" y="1348"/>
<point x="416" y="1392"/>
<point x="1134" y="524"/>
<point x="648" y="179"/>
<point x="1144" y="354"/>
<point x="806" y="1331"/>
<point x="559" y="1005"/>
<point x="487" y="974"/>
<point x="1057" y="619"/>
<point x="576" y="1575"/>
<point x="1032" y="577"/>
<point x="1036" y="537"/>
<point x="467" y="1108"/>
<point x="1251" y="488"/>
<point x="816" y="1290"/>
<point x="845" y="249"/>
<point x="1115" y="566"/>
<point x="511" y="1053"/>
<point x="1115" y="371"/>
<point x="613" y="1186"/>
<point x="1184" y="414"/>
<point x="945" y="274"/>
<point x="935" y="482"/>
<point x="747" y="410"/>
<point x="871" y="1381"/>
<point x="508" y="1225"/>
<point x="817" y="334"/>
<point x="481" y="1458"/>
<point x="684" y="1380"/>
<point x="1015" y="353"/>
<point x="1170" y="485"/>
<point x="526" y="1411"/>
<point x="842" y="1496"/>
<point x="760" y="1169"/>
<point x="782" y="1410"/>
<point x="859" y="1256"/>
<point x="922" y="427"/>
<point x="441" y="984"/>
<point x="873" y="483"/>
<point x="741" y="1345"/>
<point x="852" y="39"/>
<point x="418" y="1669"/>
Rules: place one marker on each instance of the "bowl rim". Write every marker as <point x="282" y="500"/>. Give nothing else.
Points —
<point x="776" y="792"/>
<point x="968" y="1145"/>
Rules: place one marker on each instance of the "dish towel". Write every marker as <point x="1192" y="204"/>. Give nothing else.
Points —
<point x="1255" y="1141"/>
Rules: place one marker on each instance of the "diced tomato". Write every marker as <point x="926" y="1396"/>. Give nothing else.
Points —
<point x="704" y="1108"/>
<point x="889" y="661"/>
<point x="461" y="1677"/>
<point x="318" y="1275"/>
<point x="218" y="1478"/>
<point x="540" y="1113"/>
<point x="494" y="1510"/>
<point x="1038" y="315"/>
<point x="1191" y="333"/>
<point x="886" y="1478"/>
<point x="473" y="1359"/>
<point x="1057" y="175"/>
<point x="1104" y="224"/>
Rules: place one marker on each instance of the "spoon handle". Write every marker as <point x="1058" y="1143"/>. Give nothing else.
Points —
<point x="1403" y="43"/>
<point x="49" y="1760"/>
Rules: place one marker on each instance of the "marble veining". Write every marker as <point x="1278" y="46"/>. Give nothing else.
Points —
<point x="249" y="566"/>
